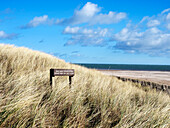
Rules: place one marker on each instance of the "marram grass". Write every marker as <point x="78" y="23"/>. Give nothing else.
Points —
<point x="94" y="100"/>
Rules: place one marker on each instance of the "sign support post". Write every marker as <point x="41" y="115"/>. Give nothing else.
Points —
<point x="70" y="81"/>
<point x="51" y="76"/>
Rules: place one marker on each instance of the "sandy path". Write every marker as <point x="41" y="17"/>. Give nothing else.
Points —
<point x="153" y="76"/>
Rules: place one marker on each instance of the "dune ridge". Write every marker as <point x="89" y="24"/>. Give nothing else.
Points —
<point x="94" y="100"/>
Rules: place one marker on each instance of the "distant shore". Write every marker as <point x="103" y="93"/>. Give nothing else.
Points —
<point x="160" y="77"/>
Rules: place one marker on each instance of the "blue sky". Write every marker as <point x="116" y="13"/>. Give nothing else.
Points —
<point x="96" y="31"/>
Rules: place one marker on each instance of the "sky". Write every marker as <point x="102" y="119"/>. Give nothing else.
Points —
<point x="96" y="31"/>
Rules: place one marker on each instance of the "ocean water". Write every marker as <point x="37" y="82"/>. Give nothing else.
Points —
<point x="127" y="67"/>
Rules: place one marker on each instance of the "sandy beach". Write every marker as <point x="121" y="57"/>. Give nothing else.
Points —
<point x="159" y="77"/>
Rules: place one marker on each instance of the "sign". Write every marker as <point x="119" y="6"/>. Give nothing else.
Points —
<point x="61" y="72"/>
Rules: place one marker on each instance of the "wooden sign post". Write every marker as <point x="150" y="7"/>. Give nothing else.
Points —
<point x="61" y="72"/>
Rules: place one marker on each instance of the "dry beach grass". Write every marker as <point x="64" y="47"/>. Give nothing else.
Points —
<point x="95" y="100"/>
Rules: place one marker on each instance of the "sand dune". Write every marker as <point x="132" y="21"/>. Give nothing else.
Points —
<point x="27" y="100"/>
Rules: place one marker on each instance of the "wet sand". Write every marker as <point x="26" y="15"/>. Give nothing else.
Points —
<point x="159" y="77"/>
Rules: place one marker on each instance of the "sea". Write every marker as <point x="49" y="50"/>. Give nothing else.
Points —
<point x="126" y="67"/>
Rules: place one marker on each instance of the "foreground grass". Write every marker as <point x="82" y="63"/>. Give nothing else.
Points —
<point x="95" y="100"/>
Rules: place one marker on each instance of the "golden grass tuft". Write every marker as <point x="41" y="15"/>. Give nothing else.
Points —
<point x="94" y="100"/>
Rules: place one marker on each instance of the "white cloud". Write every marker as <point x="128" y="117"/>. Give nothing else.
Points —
<point x="87" y="31"/>
<point x="144" y="19"/>
<point x="168" y="26"/>
<point x="36" y="21"/>
<point x="84" y="36"/>
<point x="89" y="10"/>
<point x="168" y="16"/>
<point x="71" y="30"/>
<point x="90" y="14"/>
<point x="4" y="35"/>
<point x="111" y="17"/>
<point x="160" y="20"/>
<point x="153" y="23"/>
<point x="68" y="56"/>
<point x="166" y="10"/>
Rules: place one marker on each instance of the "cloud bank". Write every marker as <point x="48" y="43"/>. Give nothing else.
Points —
<point x="85" y="37"/>
<point x="89" y="14"/>
<point x="153" y="40"/>
<point x="150" y="36"/>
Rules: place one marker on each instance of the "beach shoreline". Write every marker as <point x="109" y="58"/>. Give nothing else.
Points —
<point x="159" y="77"/>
